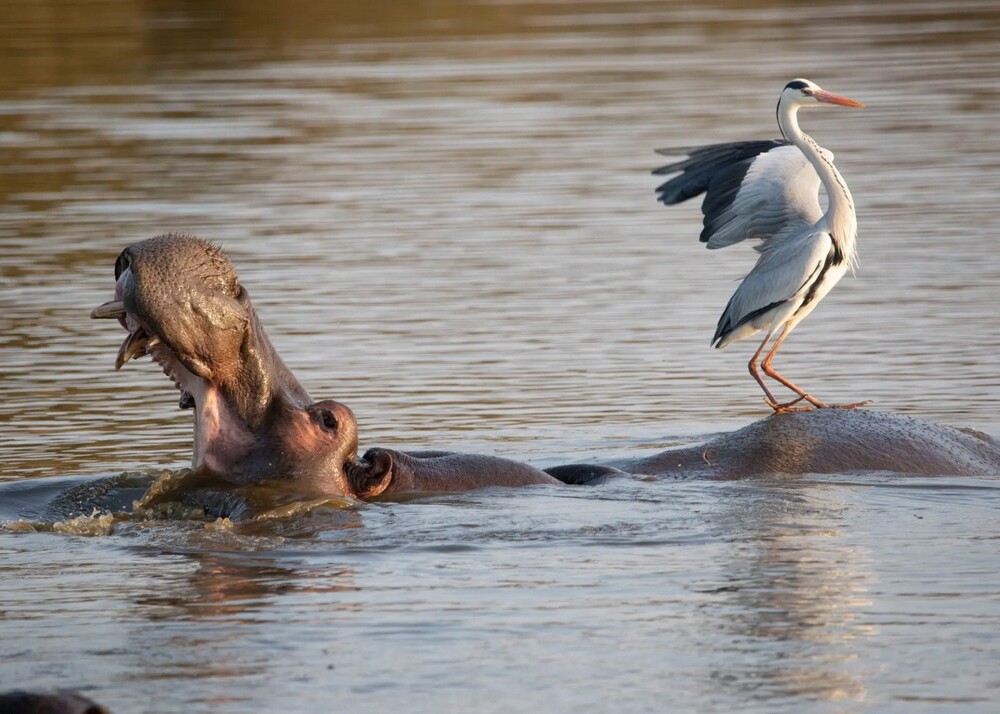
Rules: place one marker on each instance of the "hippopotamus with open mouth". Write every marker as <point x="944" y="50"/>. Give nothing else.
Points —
<point x="181" y="302"/>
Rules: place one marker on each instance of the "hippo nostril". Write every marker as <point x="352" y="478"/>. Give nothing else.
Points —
<point x="122" y="264"/>
<point x="329" y="420"/>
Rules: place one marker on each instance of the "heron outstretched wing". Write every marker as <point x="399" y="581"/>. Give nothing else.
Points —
<point x="787" y="268"/>
<point x="753" y="189"/>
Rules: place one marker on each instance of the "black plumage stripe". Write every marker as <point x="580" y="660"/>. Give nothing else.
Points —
<point x="834" y="257"/>
<point x="837" y="254"/>
<point x="724" y="327"/>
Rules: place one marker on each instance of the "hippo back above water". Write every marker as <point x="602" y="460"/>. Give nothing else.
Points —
<point x="831" y="441"/>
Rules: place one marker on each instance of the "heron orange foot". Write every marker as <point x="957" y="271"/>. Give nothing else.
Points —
<point x="786" y="406"/>
<point x="856" y="405"/>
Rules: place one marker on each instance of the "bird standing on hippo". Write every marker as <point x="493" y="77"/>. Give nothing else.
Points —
<point x="180" y="301"/>
<point x="768" y="190"/>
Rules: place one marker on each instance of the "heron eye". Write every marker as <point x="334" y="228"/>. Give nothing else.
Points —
<point x="329" y="420"/>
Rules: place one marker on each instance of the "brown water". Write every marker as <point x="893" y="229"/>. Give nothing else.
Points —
<point x="445" y="215"/>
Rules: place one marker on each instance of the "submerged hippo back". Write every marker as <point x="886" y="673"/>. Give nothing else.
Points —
<point x="831" y="441"/>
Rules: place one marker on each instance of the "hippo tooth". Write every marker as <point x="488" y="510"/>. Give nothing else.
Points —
<point x="133" y="346"/>
<point x="108" y="311"/>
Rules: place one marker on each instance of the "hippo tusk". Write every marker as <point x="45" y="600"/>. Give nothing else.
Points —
<point x="133" y="346"/>
<point x="110" y="310"/>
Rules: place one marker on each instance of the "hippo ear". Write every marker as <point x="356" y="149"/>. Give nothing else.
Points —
<point x="377" y="477"/>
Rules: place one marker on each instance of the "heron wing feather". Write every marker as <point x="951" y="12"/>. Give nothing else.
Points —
<point x="753" y="189"/>
<point x="785" y="269"/>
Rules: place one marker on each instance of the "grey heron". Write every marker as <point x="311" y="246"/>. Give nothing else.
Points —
<point x="769" y="190"/>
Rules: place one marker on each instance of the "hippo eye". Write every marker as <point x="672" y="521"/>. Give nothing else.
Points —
<point x="329" y="420"/>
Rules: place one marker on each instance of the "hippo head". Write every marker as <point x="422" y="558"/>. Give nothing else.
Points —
<point x="180" y="301"/>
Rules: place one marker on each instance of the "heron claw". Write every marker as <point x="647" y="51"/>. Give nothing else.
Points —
<point x="787" y="406"/>
<point x="856" y="405"/>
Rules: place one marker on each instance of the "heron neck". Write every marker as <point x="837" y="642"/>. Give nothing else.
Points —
<point x="840" y="218"/>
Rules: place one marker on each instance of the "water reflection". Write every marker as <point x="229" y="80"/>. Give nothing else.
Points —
<point x="794" y="588"/>
<point x="238" y="587"/>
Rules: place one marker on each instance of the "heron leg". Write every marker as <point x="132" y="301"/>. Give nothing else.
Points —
<point x="774" y="374"/>
<point x="755" y="373"/>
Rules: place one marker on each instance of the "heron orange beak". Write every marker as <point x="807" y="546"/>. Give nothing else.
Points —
<point x="821" y="95"/>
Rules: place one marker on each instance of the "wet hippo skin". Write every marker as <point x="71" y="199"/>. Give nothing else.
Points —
<point x="831" y="441"/>
<point x="823" y="441"/>
<point x="383" y="472"/>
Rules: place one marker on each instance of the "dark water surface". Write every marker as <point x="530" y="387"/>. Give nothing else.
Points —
<point x="444" y="214"/>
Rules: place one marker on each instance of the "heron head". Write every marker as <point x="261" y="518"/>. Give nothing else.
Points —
<point x="801" y="93"/>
